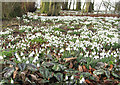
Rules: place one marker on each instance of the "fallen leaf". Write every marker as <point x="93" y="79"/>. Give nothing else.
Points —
<point x="90" y="67"/>
<point x="87" y="81"/>
<point x="23" y="75"/>
<point x="96" y="77"/>
<point x="15" y="72"/>
<point x="33" y="77"/>
<point x="104" y="78"/>
<point x="71" y="65"/>
<point x="84" y="68"/>
<point x="106" y="65"/>
<point x="10" y="65"/>
<point x="80" y="68"/>
<point x="69" y="59"/>
<point x="111" y="67"/>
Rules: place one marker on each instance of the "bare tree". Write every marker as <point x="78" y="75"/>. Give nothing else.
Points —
<point x="78" y="6"/>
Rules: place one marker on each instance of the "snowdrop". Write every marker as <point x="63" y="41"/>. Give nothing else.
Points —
<point x="1" y="57"/>
<point x="82" y="80"/>
<point x="38" y="65"/>
<point x="23" y="57"/>
<point x="96" y="57"/>
<point x="35" y="59"/>
<point x="11" y="81"/>
<point x="22" y="54"/>
<point x="62" y="50"/>
<point x="27" y="62"/>
<point x="17" y="56"/>
<point x="31" y="54"/>
<point x="72" y="77"/>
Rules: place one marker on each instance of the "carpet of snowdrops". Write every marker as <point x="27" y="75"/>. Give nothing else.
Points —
<point x="59" y="36"/>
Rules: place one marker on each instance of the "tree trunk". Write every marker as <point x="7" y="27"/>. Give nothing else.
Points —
<point x="87" y="5"/>
<point x="54" y="9"/>
<point x="44" y="7"/>
<point x="91" y="7"/>
<point x="64" y="5"/>
<point x="50" y="8"/>
<point x="13" y="9"/>
<point x="70" y="5"/>
<point x="78" y="6"/>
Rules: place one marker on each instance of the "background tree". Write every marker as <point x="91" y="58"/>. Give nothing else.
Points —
<point x="117" y="7"/>
<point x="78" y="6"/>
<point x="51" y="8"/>
<point x="13" y="9"/>
<point x="44" y="7"/>
<point x="64" y="5"/>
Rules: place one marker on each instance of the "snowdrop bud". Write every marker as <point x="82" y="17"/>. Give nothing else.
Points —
<point x="22" y="54"/>
<point x="72" y="77"/>
<point x="23" y="57"/>
<point x="38" y="65"/>
<point x="27" y="62"/>
<point x="82" y="80"/>
<point x="66" y="77"/>
<point x="12" y="81"/>
<point x="1" y="57"/>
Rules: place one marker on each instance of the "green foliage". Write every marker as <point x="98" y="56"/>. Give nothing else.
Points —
<point x="8" y="53"/>
<point x="38" y="40"/>
<point x="59" y="29"/>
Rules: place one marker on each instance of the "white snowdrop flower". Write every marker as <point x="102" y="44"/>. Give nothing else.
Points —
<point x="68" y="48"/>
<point x="31" y="54"/>
<point x="84" y="48"/>
<point x="96" y="57"/>
<point x="9" y="44"/>
<point x="72" y="77"/>
<point x="62" y="50"/>
<point x="82" y="80"/>
<point x="17" y="56"/>
<point x="23" y="57"/>
<point x="81" y="53"/>
<point x="22" y="54"/>
<point x="12" y="81"/>
<point x="1" y="57"/>
<point x="59" y="54"/>
<point x="66" y="77"/>
<point x="74" y="48"/>
<point x="93" y="53"/>
<point x="27" y="62"/>
<point x="107" y="55"/>
<point x="115" y="60"/>
<point x="115" y="55"/>
<point x="4" y="56"/>
<point x="38" y="65"/>
<point x="90" y="56"/>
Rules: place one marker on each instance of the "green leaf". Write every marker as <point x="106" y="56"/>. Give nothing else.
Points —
<point x="98" y="72"/>
<point x="59" y="76"/>
<point x="9" y="72"/>
<point x="45" y="72"/>
<point x="85" y="74"/>
<point x="114" y="74"/>
<point x="111" y="62"/>
<point x="22" y="66"/>
<point x="32" y="67"/>
<point x="107" y="73"/>
<point x="44" y="81"/>
<point x="6" y="69"/>
<point x="48" y="64"/>
<point x="56" y="67"/>
<point x="10" y="62"/>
